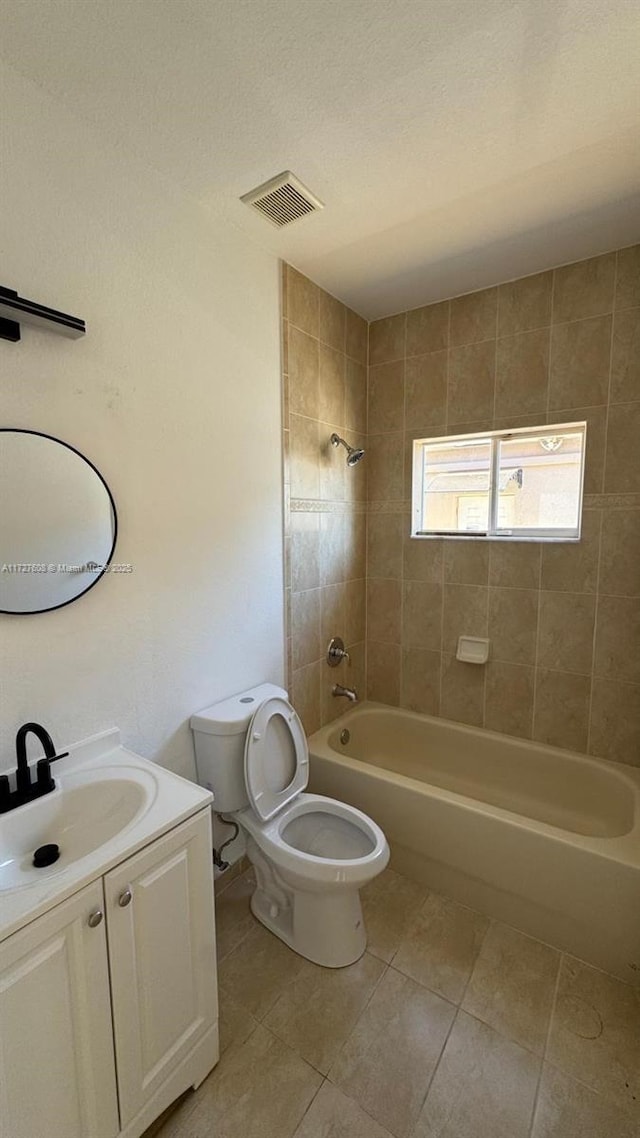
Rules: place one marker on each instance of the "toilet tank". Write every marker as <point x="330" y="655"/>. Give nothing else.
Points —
<point x="219" y="733"/>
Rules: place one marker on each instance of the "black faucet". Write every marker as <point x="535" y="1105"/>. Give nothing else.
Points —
<point x="26" y="789"/>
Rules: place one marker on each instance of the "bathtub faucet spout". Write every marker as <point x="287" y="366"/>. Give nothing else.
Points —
<point x="349" y="693"/>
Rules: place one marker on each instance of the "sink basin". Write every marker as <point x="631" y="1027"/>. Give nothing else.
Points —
<point x="84" y="813"/>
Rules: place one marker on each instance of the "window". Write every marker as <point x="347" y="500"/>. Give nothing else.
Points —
<point x="518" y="485"/>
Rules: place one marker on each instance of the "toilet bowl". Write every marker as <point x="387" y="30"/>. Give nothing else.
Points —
<point x="311" y="854"/>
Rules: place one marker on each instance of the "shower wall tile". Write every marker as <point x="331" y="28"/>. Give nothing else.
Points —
<point x="355" y="410"/>
<point x="617" y="647"/>
<point x="303" y="353"/>
<point x="522" y="373"/>
<point x="387" y="339"/>
<point x="357" y="337"/>
<point x="580" y="363"/>
<point x="466" y="563"/>
<point x="324" y="361"/>
<point x="425" y="393"/>
<point x="572" y="567"/>
<point x="422" y="560"/>
<point x="332" y="321"/>
<point x="563" y="618"/>
<point x="513" y="623"/>
<point x="386" y="397"/>
<point x="622" y="471"/>
<point x="561" y="716"/>
<point x="525" y="304"/>
<point x="615" y="721"/>
<point x="428" y="329"/>
<point x="585" y="288"/>
<point x="553" y="347"/>
<point x="515" y="564"/>
<point x="383" y="672"/>
<point x="462" y="692"/>
<point x="471" y="383"/>
<point x="508" y="706"/>
<point x="384" y="545"/>
<point x="473" y="317"/>
<point x="620" y="556"/>
<point x="303" y="302"/>
<point x="384" y="609"/>
<point x="420" y="684"/>
<point x="465" y="613"/>
<point x="331" y="385"/>
<point x="628" y="277"/>
<point x="625" y="363"/>
<point x="422" y="615"/>
<point x="565" y="632"/>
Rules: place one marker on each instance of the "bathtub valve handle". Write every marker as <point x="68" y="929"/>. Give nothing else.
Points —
<point x="336" y="652"/>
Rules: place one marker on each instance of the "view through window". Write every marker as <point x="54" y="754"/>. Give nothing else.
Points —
<point x="503" y="484"/>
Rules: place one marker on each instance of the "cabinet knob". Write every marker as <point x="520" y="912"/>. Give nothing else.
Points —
<point x="95" y="918"/>
<point x="125" y="897"/>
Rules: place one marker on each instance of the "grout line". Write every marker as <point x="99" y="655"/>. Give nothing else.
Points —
<point x="601" y="523"/>
<point x="546" y="1043"/>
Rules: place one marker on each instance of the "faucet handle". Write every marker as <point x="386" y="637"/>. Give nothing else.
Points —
<point x="336" y="652"/>
<point x="44" y="780"/>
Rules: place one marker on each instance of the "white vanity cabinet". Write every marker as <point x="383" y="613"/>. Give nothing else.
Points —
<point x="108" y="1004"/>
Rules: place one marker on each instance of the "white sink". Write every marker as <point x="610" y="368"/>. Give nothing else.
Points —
<point x="86" y="811"/>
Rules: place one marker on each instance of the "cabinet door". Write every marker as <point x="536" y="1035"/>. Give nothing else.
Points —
<point x="57" y="1072"/>
<point x="162" y="957"/>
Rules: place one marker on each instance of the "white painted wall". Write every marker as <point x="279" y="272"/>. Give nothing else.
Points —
<point x="175" y="395"/>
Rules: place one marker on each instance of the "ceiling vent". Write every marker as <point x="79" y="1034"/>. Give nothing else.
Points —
<point x="283" y="199"/>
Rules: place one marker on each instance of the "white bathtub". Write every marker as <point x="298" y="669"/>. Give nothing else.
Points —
<point x="543" y="839"/>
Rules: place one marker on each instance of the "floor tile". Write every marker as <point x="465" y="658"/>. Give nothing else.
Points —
<point x="333" y="1115"/>
<point x="484" y="1086"/>
<point x="316" y="1012"/>
<point x="441" y="946"/>
<point x="512" y="986"/>
<point x="235" y="1023"/>
<point x="260" y="1090"/>
<point x="258" y="970"/>
<point x="389" y="1058"/>
<point x="567" y="1109"/>
<point x="389" y="904"/>
<point x="595" y="1033"/>
<point x="233" y="916"/>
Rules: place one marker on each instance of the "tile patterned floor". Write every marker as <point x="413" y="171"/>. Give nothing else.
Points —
<point x="450" y="1026"/>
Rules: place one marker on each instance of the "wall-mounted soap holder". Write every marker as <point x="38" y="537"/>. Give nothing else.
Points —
<point x="473" y="649"/>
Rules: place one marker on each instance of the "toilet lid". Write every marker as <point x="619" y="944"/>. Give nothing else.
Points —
<point x="276" y="757"/>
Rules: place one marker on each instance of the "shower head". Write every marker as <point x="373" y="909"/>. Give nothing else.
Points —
<point x="353" y="455"/>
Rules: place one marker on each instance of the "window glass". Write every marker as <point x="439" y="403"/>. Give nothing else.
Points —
<point x="504" y="484"/>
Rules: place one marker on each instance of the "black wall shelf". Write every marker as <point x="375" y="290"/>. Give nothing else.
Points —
<point x="16" y="310"/>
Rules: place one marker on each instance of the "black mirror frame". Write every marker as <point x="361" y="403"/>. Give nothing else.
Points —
<point x="54" y="439"/>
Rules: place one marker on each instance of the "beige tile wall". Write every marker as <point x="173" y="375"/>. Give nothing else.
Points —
<point x="324" y="354"/>
<point x="563" y="620"/>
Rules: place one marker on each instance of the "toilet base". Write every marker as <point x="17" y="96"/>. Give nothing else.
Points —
<point x="326" y="928"/>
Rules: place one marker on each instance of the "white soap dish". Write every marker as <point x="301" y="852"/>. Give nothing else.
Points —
<point x="473" y="649"/>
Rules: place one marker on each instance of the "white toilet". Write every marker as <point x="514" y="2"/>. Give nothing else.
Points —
<point x="311" y="854"/>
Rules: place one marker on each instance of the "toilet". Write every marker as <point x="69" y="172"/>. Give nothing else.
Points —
<point x="311" y="854"/>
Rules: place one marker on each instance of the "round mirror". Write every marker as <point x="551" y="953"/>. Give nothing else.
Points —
<point x="58" y="523"/>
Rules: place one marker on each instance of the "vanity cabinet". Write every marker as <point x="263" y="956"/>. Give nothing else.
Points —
<point x="108" y="1004"/>
<point x="57" y="1073"/>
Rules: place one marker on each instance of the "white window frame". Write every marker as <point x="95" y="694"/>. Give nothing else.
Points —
<point x="493" y="533"/>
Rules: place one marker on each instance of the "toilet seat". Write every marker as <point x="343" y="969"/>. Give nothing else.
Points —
<point x="276" y="757"/>
<point x="315" y="870"/>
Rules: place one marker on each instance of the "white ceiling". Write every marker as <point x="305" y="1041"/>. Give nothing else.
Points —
<point x="456" y="143"/>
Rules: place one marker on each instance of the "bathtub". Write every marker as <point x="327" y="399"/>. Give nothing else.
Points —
<point x="543" y="839"/>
